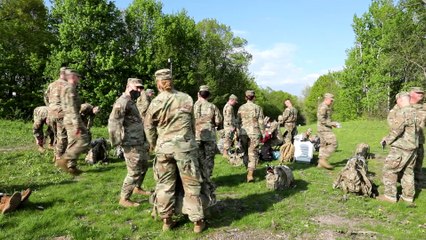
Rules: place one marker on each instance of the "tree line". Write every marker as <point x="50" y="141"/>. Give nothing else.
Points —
<point x="389" y="55"/>
<point x="108" y="45"/>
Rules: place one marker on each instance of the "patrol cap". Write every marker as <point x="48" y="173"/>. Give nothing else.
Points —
<point x="402" y="94"/>
<point x="417" y="90"/>
<point x="163" y="74"/>
<point x="250" y="93"/>
<point x="70" y="71"/>
<point x="204" y="88"/>
<point x="149" y="91"/>
<point x="233" y="97"/>
<point x="329" y="95"/>
<point x="136" y="81"/>
<point x="62" y="69"/>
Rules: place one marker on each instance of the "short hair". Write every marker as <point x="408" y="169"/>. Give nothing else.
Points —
<point x="204" y="94"/>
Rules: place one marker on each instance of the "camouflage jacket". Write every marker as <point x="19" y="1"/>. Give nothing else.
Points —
<point x="250" y="119"/>
<point x="125" y="124"/>
<point x="421" y="114"/>
<point x="41" y="112"/>
<point x="207" y="118"/>
<point x="404" y="131"/>
<point x="290" y="115"/>
<point x="87" y="115"/>
<point x="391" y="114"/>
<point x="70" y="102"/>
<point x="143" y="103"/>
<point x="52" y="98"/>
<point x="324" y="123"/>
<point x="169" y="123"/>
<point x="229" y="120"/>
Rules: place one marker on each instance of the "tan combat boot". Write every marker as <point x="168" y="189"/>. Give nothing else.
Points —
<point x="8" y="204"/>
<point x="250" y="177"/>
<point x="168" y="224"/>
<point x="138" y="190"/>
<point x="385" y="199"/>
<point x="127" y="203"/>
<point x="74" y="171"/>
<point x="199" y="226"/>
<point x="40" y="149"/>
<point x="322" y="163"/>
<point x="62" y="164"/>
<point x="25" y="195"/>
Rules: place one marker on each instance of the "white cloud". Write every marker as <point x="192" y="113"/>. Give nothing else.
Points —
<point x="275" y="68"/>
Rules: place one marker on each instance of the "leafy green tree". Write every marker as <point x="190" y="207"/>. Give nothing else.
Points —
<point x="90" y="36"/>
<point x="24" y="37"/>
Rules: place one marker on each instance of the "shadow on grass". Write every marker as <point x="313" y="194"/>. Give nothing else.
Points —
<point x="33" y="186"/>
<point x="229" y="210"/>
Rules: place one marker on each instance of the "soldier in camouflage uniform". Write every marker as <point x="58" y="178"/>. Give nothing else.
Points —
<point x="169" y="127"/>
<point x="229" y="124"/>
<point x="416" y="100"/>
<point x="250" y="119"/>
<point x="403" y="139"/>
<point x="40" y="119"/>
<point x="125" y="129"/>
<point x="52" y="99"/>
<point x="328" y="141"/>
<point x="78" y="137"/>
<point x="289" y="120"/>
<point x="207" y="119"/>
<point x="87" y="114"/>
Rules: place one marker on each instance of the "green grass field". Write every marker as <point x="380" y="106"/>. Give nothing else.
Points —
<point x="86" y="207"/>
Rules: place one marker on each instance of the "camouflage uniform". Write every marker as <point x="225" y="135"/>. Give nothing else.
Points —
<point x="143" y="103"/>
<point x="250" y="119"/>
<point x="403" y="139"/>
<point x="40" y="118"/>
<point x="391" y="115"/>
<point x="87" y="115"/>
<point x="289" y="119"/>
<point x="328" y="141"/>
<point x="207" y="118"/>
<point x="78" y="137"/>
<point x="52" y="98"/>
<point x="125" y="128"/>
<point x="421" y="114"/>
<point x="229" y="125"/>
<point x="169" y="126"/>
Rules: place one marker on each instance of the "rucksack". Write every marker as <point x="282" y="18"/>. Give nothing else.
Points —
<point x="236" y="155"/>
<point x="98" y="152"/>
<point x="287" y="152"/>
<point x="353" y="177"/>
<point x="279" y="177"/>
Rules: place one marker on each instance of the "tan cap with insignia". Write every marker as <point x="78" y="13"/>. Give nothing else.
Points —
<point x="204" y="88"/>
<point x="163" y="74"/>
<point x="136" y="81"/>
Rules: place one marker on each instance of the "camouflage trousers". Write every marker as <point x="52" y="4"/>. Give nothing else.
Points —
<point x="418" y="173"/>
<point x="328" y="144"/>
<point x="137" y="165"/>
<point x="39" y="133"/>
<point x="227" y="140"/>
<point x="206" y="153"/>
<point x="399" y="162"/>
<point x="290" y="132"/>
<point x="77" y="144"/>
<point x="250" y="144"/>
<point x="167" y="169"/>
<point x="60" y="132"/>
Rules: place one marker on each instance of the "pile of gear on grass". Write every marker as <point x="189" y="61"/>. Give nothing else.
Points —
<point x="275" y="145"/>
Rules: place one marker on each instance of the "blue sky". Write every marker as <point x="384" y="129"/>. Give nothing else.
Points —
<point x="293" y="42"/>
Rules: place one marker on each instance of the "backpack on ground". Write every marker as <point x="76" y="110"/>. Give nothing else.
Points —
<point x="98" y="151"/>
<point x="279" y="177"/>
<point x="353" y="177"/>
<point x="287" y="152"/>
<point x="236" y="155"/>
